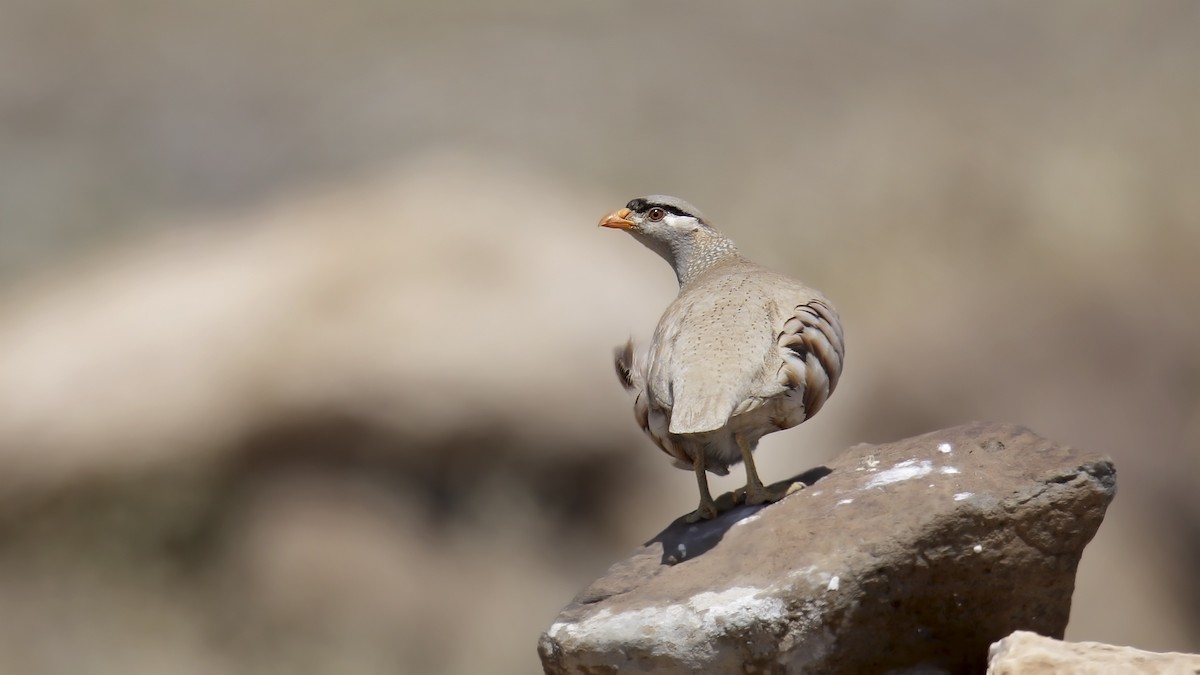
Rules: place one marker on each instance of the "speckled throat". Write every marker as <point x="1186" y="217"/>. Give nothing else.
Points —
<point x="690" y="256"/>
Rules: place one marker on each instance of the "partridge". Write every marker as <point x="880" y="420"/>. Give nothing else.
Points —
<point x="741" y="352"/>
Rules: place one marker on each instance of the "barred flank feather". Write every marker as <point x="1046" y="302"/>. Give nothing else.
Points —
<point x="812" y="348"/>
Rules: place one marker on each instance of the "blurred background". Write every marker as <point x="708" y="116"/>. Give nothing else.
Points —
<point x="306" y="326"/>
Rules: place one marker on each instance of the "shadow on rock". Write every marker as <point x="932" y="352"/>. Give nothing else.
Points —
<point x="683" y="540"/>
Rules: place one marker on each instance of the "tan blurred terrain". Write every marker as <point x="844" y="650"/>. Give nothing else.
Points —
<point x="305" y="328"/>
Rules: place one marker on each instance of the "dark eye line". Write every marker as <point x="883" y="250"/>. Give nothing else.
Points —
<point x="642" y="206"/>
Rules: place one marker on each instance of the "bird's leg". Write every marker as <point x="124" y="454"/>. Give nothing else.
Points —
<point x="708" y="508"/>
<point x="754" y="492"/>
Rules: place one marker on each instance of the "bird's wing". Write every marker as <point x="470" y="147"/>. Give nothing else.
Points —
<point x="711" y="349"/>
<point x="732" y="349"/>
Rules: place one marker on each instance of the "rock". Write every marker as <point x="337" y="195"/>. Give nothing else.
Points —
<point x="187" y="418"/>
<point x="367" y="302"/>
<point x="1031" y="654"/>
<point x="911" y="555"/>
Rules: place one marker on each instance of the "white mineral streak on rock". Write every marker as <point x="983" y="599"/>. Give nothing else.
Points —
<point x="906" y="470"/>
<point x="812" y="575"/>
<point x="686" y="631"/>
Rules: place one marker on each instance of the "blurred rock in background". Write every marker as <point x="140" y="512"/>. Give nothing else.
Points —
<point x="306" y="327"/>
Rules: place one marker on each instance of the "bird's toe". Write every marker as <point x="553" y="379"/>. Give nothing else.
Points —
<point x="758" y="494"/>
<point x="706" y="511"/>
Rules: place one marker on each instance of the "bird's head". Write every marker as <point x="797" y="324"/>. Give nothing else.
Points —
<point x="675" y="230"/>
<point x="657" y="217"/>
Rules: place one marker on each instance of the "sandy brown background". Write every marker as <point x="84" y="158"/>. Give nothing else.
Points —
<point x="305" y="322"/>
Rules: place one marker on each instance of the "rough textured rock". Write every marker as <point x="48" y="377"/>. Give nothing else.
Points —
<point x="914" y="554"/>
<point x="1027" y="653"/>
<point x="287" y="420"/>
<point x="338" y="303"/>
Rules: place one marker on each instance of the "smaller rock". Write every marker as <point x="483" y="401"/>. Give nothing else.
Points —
<point x="1026" y="653"/>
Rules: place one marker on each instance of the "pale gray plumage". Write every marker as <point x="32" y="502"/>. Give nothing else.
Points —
<point x="741" y="352"/>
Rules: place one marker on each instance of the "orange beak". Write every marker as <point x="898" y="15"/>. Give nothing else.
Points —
<point x="618" y="219"/>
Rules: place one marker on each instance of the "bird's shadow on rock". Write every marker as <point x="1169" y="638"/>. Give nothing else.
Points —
<point x="684" y="541"/>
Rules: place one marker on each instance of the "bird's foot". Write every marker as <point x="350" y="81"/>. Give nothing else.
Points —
<point x="757" y="494"/>
<point x="752" y="495"/>
<point x="706" y="511"/>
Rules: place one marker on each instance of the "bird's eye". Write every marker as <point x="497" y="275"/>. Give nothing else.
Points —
<point x="656" y="214"/>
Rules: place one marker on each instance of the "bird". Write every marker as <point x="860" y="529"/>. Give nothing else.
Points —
<point x="742" y="351"/>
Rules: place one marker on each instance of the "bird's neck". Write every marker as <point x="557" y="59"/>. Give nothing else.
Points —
<point x="692" y="256"/>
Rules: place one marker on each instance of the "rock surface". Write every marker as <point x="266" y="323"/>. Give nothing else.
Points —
<point x="1031" y="654"/>
<point x="914" y="554"/>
